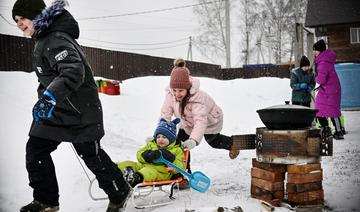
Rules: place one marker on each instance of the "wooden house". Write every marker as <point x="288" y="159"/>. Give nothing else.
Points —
<point x="339" y="22"/>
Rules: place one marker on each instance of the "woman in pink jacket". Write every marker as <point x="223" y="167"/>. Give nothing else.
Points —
<point x="199" y="114"/>
<point x="329" y="93"/>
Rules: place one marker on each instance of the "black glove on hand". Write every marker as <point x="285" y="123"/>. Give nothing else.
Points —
<point x="168" y="155"/>
<point x="150" y="155"/>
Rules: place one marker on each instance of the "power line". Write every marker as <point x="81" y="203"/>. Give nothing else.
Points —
<point x="6" y="20"/>
<point x="146" y="12"/>
<point x="136" y="44"/>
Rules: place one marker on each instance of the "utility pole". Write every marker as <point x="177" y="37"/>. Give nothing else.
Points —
<point x="299" y="43"/>
<point x="299" y="36"/>
<point x="189" y="53"/>
<point x="269" y="43"/>
<point x="247" y="33"/>
<point x="227" y="32"/>
<point x="310" y="42"/>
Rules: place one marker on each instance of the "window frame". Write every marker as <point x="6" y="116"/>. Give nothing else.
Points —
<point x="357" y="31"/>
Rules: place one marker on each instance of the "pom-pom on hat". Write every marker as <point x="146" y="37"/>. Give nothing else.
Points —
<point x="28" y="8"/>
<point x="304" y="61"/>
<point x="180" y="75"/>
<point x="167" y="128"/>
<point x="320" y="46"/>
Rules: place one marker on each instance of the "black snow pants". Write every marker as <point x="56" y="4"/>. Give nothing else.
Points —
<point x="42" y="177"/>
<point x="217" y="141"/>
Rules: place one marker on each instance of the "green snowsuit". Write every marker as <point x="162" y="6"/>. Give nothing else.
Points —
<point x="153" y="172"/>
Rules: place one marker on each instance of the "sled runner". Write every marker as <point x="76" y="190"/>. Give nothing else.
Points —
<point x="150" y="194"/>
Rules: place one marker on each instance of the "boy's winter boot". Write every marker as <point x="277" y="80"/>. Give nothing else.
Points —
<point x="138" y="178"/>
<point x="184" y="184"/>
<point x="129" y="175"/>
<point x="119" y="207"/>
<point x="338" y="135"/>
<point x="36" y="206"/>
<point x="326" y="132"/>
<point x="132" y="177"/>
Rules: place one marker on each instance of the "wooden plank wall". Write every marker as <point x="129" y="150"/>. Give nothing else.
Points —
<point x="339" y="41"/>
<point x="15" y="55"/>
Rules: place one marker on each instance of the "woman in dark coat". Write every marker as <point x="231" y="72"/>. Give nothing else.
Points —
<point x="68" y="108"/>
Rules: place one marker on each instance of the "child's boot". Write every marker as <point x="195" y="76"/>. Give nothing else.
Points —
<point x="36" y="206"/>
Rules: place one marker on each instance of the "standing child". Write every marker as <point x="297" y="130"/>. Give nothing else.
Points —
<point x="163" y="143"/>
<point x="302" y="82"/>
<point x="68" y="108"/>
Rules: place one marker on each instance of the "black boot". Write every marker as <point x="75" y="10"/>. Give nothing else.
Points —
<point x="338" y="135"/>
<point x="132" y="177"/>
<point x="119" y="207"/>
<point x="343" y="131"/>
<point x="36" y="206"/>
<point x="326" y="132"/>
<point x="129" y="175"/>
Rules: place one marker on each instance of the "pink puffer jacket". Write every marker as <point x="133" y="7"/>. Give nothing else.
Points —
<point x="201" y="115"/>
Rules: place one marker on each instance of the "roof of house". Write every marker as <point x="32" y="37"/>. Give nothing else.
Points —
<point x="326" y="12"/>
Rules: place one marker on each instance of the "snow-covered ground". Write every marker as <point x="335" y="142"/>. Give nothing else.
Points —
<point x="132" y="116"/>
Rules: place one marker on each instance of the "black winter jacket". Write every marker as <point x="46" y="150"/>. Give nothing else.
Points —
<point x="61" y="68"/>
<point x="297" y="77"/>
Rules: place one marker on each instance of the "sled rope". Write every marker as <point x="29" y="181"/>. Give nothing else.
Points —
<point x="82" y="166"/>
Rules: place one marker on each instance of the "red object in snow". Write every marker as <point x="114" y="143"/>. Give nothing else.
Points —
<point x="107" y="86"/>
<point x="112" y="87"/>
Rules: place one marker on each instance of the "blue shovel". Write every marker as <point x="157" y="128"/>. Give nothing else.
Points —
<point x="197" y="180"/>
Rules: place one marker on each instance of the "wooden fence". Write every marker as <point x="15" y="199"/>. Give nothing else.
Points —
<point x="16" y="55"/>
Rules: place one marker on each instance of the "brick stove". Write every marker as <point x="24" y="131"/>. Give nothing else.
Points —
<point x="287" y="167"/>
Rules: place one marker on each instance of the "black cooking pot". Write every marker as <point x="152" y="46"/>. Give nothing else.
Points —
<point x="287" y="116"/>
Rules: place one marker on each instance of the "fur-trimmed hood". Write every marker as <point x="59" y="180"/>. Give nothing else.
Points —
<point x="56" y="18"/>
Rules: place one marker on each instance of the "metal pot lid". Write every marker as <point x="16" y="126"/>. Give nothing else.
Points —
<point x="288" y="106"/>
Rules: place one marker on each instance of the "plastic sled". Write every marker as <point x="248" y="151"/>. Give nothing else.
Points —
<point x="198" y="180"/>
<point x="150" y="194"/>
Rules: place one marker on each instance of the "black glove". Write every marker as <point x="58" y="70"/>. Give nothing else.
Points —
<point x="150" y="155"/>
<point x="168" y="155"/>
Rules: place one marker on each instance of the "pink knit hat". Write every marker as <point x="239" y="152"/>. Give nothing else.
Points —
<point x="179" y="77"/>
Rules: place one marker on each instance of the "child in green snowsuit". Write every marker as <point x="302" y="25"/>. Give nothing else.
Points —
<point x="145" y="170"/>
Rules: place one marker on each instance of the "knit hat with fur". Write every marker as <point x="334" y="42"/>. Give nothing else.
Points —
<point x="167" y="128"/>
<point x="320" y="46"/>
<point x="304" y="61"/>
<point x="28" y="8"/>
<point x="180" y="75"/>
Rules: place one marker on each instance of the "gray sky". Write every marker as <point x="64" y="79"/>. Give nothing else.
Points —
<point x="152" y="28"/>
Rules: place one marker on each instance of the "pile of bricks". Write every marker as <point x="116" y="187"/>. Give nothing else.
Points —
<point x="267" y="182"/>
<point x="303" y="183"/>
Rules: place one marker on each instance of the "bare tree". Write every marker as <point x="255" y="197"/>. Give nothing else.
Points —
<point x="211" y="40"/>
<point x="251" y="43"/>
<point x="270" y="24"/>
<point x="266" y="26"/>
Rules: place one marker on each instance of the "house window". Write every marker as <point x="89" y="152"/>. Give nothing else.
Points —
<point x="354" y="35"/>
